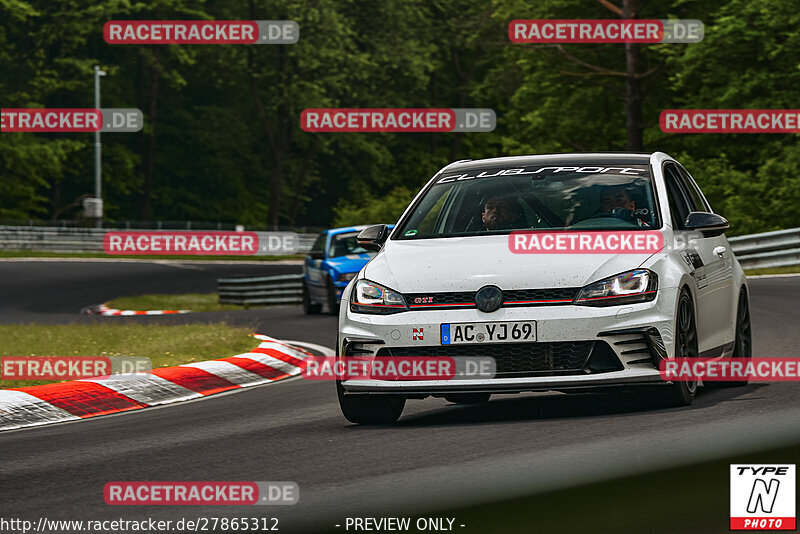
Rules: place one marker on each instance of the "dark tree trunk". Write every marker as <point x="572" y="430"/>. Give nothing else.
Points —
<point x="55" y="199"/>
<point x="633" y="86"/>
<point x="149" y="139"/>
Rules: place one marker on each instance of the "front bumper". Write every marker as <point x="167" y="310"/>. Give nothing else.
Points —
<point x="638" y="334"/>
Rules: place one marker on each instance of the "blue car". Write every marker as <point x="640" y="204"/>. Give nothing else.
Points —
<point x="334" y="260"/>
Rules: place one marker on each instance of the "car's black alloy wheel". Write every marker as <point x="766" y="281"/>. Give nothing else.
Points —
<point x="682" y="393"/>
<point x="743" y="343"/>
<point x="370" y="409"/>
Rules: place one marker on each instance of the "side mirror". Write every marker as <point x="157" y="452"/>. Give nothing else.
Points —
<point x="708" y="224"/>
<point x="374" y="237"/>
<point x="316" y="255"/>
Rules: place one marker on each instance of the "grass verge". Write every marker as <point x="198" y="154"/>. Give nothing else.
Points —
<point x="45" y="254"/>
<point x="164" y="345"/>
<point x="790" y="269"/>
<point x="195" y="302"/>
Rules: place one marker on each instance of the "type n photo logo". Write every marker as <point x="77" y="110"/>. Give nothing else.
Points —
<point x="763" y="497"/>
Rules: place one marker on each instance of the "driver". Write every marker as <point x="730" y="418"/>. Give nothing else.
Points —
<point x="500" y="212"/>
<point x="616" y="200"/>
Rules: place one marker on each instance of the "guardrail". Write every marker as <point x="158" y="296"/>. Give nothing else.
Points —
<point x="769" y="249"/>
<point x="80" y="240"/>
<point x="765" y="250"/>
<point x="283" y="289"/>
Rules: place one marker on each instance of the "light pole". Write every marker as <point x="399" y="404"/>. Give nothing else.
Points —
<point x="98" y="155"/>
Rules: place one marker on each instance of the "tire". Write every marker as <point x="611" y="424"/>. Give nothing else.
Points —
<point x="743" y="343"/>
<point x="308" y="307"/>
<point x="468" y="398"/>
<point x="682" y="393"/>
<point x="370" y="409"/>
<point x="333" y="302"/>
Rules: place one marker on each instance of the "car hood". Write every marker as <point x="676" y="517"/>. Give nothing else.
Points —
<point x="469" y="263"/>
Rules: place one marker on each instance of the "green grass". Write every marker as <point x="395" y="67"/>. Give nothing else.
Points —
<point x="193" y="301"/>
<point x="45" y="254"/>
<point x="164" y="345"/>
<point x="774" y="270"/>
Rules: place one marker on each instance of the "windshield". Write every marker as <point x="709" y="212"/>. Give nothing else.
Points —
<point x="496" y="200"/>
<point x="344" y="244"/>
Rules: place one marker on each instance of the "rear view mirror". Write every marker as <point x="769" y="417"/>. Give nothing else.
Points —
<point x="708" y="224"/>
<point x="374" y="237"/>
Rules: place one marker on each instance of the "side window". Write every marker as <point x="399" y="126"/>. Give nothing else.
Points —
<point x="678" y="205"/>
<point x="319" y="243"/>
<point x="697" y="200"/>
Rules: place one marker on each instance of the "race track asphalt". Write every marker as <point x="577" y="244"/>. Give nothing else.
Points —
<point x="438" y="456"/>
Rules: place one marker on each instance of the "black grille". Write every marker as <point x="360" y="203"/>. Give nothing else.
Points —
<point x="517" y="360"/>
<point x="564" y="293"/>
<point x="513" y="297"/>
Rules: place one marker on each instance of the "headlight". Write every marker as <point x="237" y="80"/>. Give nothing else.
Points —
<point x="346" y="277"/>
<point x="369" y="297"/>
<point x="626" y="288"/>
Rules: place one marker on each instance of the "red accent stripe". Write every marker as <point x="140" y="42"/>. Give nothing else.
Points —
<point x="536" y="301"/>
<point x="297" y="362"/>
<point x="256" y="367"/>
<point x="195" y="379"/>
<point x="84" y="399"/>
<point x="451" y="304"/>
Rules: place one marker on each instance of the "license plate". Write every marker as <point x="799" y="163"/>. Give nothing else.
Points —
<point x="498" y="332"/>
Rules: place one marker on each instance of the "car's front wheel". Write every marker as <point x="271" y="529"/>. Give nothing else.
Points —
<point x="743" y="343"/>
<point x="370" y="409"/>
<point x="682" y="392"/>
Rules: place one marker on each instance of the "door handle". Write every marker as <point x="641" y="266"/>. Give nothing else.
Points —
<point x="719" y="251"/>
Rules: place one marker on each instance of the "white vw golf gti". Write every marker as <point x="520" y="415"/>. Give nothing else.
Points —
<point x="447" y="282"/>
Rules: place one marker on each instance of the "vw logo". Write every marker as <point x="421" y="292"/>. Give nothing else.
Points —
<point x="489" y="298"/>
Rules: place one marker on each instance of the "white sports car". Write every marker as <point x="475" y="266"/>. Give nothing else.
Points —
<point x="448" y="283"/>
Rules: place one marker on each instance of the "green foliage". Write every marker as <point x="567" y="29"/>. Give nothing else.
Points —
<point x="374" y="209"/>
<point x="222" y="140"/>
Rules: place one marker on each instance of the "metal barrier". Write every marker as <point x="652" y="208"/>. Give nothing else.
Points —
<point x="283" y="289"/>
<point x="79" y="240"/>
<point x="769" y="249"/>
<point x="765" y="250"/>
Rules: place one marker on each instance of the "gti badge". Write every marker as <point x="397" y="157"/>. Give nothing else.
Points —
<point x="489" y="298"/>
